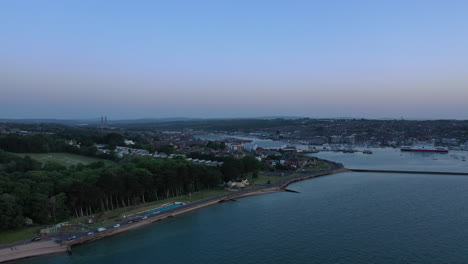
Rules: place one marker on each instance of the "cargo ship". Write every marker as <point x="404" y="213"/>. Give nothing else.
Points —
<point x="424" y="149"/>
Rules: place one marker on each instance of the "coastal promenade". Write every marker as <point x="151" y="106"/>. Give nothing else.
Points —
<point x="32" y="249"/>
<point x="189" y="207"/>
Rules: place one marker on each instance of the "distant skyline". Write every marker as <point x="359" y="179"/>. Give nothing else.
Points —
<point x="215" y="59"/>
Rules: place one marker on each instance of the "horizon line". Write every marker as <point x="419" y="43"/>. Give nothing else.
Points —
<point x="225" y="118"/>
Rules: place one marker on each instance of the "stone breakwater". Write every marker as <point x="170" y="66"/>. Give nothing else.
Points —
<point x="411" y="172"/>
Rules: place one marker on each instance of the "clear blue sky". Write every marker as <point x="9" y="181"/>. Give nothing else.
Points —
<point x="330" y="58"/>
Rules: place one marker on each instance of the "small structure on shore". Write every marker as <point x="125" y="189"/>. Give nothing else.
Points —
<point x="52" y="229"/>
<point x="238" y="184"/>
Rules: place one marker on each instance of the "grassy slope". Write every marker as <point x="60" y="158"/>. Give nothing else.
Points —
<point x="65" y="159"/>
<point x="264" y="179"/>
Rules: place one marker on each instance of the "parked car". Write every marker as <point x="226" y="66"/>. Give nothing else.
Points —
<point x="100" y="229"/>
<point x="71" y="238"/>
<point x="35" y="239"/>
<point x="90" y="233"/>
<point x="116" y="225"/>
<point x="144" y="217"/>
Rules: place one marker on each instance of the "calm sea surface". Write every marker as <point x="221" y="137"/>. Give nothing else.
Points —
<point x="394" y="159"/>
<point x="342" y="218"/>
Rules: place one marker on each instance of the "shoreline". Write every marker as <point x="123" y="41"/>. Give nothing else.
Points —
<point x="34" y="249"/>
<point x="31" y="250"/>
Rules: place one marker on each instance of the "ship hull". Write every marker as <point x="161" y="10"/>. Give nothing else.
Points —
<point x="426" y="150"/>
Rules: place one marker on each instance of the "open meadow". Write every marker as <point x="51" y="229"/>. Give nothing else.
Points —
<point x="65" y="159"/>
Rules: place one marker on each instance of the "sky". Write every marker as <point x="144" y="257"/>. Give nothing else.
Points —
<point x="240" y="58"/>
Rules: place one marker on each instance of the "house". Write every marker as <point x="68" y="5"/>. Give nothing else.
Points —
<point x="295" y="163"/>
<point x="236" y="146"/>
<point x="129" y="142"/>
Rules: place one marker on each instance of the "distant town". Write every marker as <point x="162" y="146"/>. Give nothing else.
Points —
<point x="86" y="181"/>
<point x="273" y="141"/>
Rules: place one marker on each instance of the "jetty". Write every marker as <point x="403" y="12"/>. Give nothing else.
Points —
<point x="410" y="172"/>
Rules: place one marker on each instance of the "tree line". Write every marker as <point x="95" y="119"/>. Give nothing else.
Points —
<point x="50" y="192"/>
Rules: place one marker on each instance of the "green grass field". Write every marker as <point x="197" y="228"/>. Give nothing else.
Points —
<point x="264" y="179"/>
<point x="65" y="159"/>
<point x="11" y="236"/>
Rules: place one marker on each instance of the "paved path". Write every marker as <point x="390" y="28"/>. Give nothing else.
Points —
<point x="30" y="249"/>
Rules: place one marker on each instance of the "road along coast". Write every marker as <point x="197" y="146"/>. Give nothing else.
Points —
<point x="34" y="249"/>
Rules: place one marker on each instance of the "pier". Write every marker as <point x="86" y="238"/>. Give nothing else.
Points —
<point x="410" y="172"/>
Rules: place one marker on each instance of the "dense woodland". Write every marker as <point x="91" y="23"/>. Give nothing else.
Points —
<point x="50" y="192"/>
<point x="59" y="142"/>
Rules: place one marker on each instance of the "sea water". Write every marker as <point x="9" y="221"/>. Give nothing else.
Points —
<point x="342" y="218"/>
